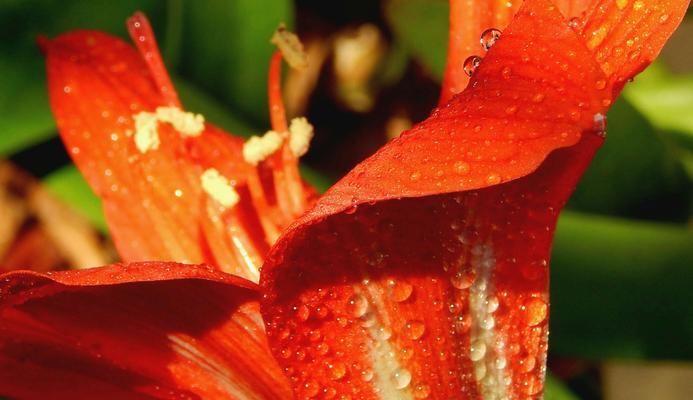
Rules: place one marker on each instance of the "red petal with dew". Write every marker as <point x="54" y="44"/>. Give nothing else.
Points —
<point x="625" y="36"/>
<point x="153" y="201"/>
<point x="141" y="330"/>
<point x="468" y="19"/>
<point x="424" y="272"/>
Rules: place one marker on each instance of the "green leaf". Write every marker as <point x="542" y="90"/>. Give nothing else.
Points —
<point x="634" y="174"/>
<point x="621" y="289"/>
<point x="665" y="99"/>
<point x="226" y="49"/>
<point x="26" y="116"/>
<point x="554" y="389"/>
<point x="68" y="184"/>
<point x="422" y="26"/>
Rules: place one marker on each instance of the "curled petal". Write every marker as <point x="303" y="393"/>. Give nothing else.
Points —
<point x="424" y="272"/>
<point x="142" y="330"/>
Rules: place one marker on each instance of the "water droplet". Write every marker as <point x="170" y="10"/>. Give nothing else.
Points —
<point x="477" y="350"/>
<point x="414" y="329"/>
<point x="415" y="176"/>
<point x="357" y="306"/>
<point x="511" y="109"/>
<point x="367" y="375"/>
<point x="401" y="378"/>
<point x="599" y="124"/>
<point x="493" y="179"/>
<point x="663" y="18"/>
<point x="500" y="363"/>
<point x="337" y="370"/>
<point x="399" y="290"/>
<point x="489" y="38"/>
<point x="310" y="389"/>
<point x="527" y="364"/>
<point x="492" y="304"/>
<point x="422" y="391"/>
<point x="536" y="310"/>
<point x="574" y="23"/>
<point x="471" y="64"/>
<point x="302" y="312"/>
<point x="462" y="280"/>
<point x="323" y="348"/>
<point x="461" y="167"/>
<point x="383" y="333"/>
<point x="538" y="98"/>
<point x="600" y="84"/>
<point x="487" y="323"/>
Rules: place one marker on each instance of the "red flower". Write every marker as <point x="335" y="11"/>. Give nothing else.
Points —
<point x="421" y="274"/>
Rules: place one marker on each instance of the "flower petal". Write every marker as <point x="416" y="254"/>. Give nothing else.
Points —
<point x="152" y="193"/>
<point x="469" y="19"/>
<point x="137" y="330"/>
<point x="627" y="35"/>
<point x="423" y="273"/>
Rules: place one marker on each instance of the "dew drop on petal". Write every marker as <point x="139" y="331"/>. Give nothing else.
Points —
<point x="461" y="167"/>
<point x="471" y="64"/>
<point x="493" y="179"/>
<point x="337" y="370"/>
<point x="536" y="311"/>
<point x="487" y="323"/>
<point x="538" y="98"/>
<point x="401" y="378"/>
<point x="414" y="329"/>
<point x="489" y="38"/>
<point x="399" y="290"/>
<point x="422" y="391"/>
<point x="506" y="73"/>
<point x="599" y="124"/>
<point x="461" y="280"/>
<point x="310" y="389"/>
<point x="357" y="305"/>
<point x="477" y="351"/>
<point x="367" y="375"/>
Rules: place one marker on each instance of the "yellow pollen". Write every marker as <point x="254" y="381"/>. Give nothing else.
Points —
<point x="219" y="188"/>
<point x="301" y="132"/>
<point x="146" y="135"/>
<point x="290" y="46"/>
<point x="186" y="123"/>
<point x="146" y="126"/>
<point x="258" y="148"/>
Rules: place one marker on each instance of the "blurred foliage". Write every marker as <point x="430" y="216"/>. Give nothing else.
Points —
<point x="225" y="48"/>
<point x="622" y="255"/>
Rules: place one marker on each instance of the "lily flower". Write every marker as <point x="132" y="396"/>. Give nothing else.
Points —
<point x="423" y="273"/>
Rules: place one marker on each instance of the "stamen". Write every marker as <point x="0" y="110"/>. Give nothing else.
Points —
<point x="186" y="123"/>
<point x="301" y="133"/>
<point x="290" y="47"/>
<point x="219" y="188"/>
<point x="146" y="134"/>
<point x="142" y="34"/>
<point x="258" y="148"/>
